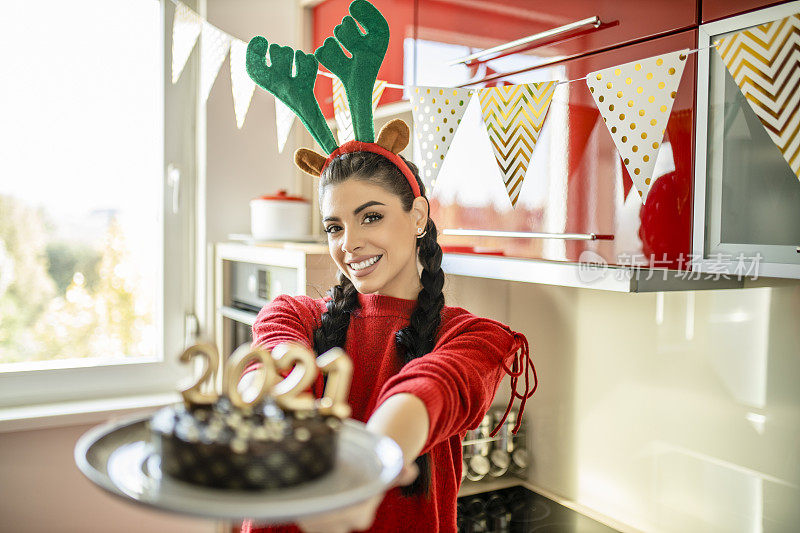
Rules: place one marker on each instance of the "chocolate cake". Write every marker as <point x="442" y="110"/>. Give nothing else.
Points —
<point x="225" y="447"/>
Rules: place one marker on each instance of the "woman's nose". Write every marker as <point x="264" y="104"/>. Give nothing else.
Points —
<point x="351" y="240"/>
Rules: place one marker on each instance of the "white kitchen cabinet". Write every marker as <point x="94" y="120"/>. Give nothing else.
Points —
<point x="747" y="199"/>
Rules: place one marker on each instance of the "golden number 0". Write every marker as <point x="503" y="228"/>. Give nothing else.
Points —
<point x="234" y="368"/>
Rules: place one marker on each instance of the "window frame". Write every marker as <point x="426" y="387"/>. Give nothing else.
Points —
<point x="98" y="379"/>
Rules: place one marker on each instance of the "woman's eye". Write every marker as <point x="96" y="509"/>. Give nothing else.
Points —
<point x="372" y="217"/>
<point x="331" y="229"/>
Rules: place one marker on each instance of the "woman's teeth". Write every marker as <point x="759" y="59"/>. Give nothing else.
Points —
<point x="364" y="264"/>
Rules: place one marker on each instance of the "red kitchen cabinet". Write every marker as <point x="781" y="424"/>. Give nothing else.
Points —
<point x="576" y="182"/>
<point x="449" y="30"/>
<point x="399" y="14"/>
<point x="718" y="9"/>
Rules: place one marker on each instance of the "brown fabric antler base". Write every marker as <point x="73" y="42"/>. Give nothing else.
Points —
<point x="393" y="137"/>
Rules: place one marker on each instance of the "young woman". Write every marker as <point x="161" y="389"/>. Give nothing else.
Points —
<point x="424" y="373"/>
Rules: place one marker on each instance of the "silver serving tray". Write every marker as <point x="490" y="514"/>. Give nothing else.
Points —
<point x="119" y="458"/>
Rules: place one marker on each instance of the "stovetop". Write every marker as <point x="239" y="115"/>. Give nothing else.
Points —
<point x="520" y="510"/>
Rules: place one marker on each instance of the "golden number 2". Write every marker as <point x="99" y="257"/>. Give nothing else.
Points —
<point x="288" y="393"/>
<point x="193" y="394"/>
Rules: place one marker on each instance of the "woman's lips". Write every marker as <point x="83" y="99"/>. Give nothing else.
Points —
<point x="365" y="271"/>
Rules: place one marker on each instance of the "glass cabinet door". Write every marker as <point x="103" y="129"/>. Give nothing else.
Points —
<point x="747" y="213"/>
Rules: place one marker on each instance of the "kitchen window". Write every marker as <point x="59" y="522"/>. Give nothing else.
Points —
<point x="95" y="219"/>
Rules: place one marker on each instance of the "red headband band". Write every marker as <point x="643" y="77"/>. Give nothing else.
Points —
<point x="358" y="146"/>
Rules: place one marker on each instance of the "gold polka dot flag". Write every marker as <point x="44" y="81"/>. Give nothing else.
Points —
<point x="514" y="116"/>
<point x="765" y="63"/>
<point x="635" y="100"/>
<point x="341" y="109"/>
<point x="437" y="113"/>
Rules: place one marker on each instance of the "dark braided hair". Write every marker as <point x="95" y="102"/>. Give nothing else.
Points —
<point x="419" y="337"/>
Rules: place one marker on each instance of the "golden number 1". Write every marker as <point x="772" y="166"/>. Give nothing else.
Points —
<point x="339" y="368"/>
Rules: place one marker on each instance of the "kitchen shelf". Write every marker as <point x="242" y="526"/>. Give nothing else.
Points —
<point x="608" y="278"/>
<point x="245" y="317"/>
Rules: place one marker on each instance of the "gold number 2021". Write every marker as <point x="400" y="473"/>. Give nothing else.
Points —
<point x="287" y="391"/>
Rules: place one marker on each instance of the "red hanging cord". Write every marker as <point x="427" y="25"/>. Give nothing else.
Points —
<point x="522" y="363"/>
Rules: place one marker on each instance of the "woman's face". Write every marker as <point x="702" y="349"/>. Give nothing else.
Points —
<point x="372" y="239"/>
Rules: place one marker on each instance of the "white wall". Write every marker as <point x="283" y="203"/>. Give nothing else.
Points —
<point x="670" y="412"/>
<point x="41" y="489"/>
<point x="243" y="164"/>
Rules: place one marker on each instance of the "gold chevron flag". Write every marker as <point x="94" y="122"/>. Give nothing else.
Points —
<point x="341" y="109"/>
<point x="437" y="112"/>
<point x="635" y="100"/>
<point x="514" y="116"/>
<point x="765" y="63"/>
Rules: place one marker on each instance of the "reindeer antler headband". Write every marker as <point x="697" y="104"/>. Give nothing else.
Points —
<point x="357" y="73"/>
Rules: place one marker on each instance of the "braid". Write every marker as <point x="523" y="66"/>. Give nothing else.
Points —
<point x="419" y="337"/>
<point x="336" y="320"/>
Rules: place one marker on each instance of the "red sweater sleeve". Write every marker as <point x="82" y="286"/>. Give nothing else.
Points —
<point x="458" y="380"/>
<point x="285" y="319"/>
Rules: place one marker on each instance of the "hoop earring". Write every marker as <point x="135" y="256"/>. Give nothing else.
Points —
<point x="421" y="235"/>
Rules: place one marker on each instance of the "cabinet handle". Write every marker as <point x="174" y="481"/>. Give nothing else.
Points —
<point x="555" y="32"/>
<point x="529" y="235"/>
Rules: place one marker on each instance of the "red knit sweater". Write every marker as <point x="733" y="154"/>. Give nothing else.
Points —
<point x="456" y="381"/>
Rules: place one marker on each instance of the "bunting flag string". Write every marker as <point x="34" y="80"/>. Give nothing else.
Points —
<point x="635" y="99"/>
<point x="765" y="63"/>
<point x="514" y="115"/>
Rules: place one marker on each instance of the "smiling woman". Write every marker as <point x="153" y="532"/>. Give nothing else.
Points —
<point x="423" y="373"/>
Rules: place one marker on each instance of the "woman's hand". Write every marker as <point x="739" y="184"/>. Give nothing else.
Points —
<point x="356" y="517"/>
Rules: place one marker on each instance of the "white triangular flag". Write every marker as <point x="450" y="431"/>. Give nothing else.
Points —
<point x="437" y="112"/>
<point x="635" y="100"/>
<point x="284" y="118"/>
<point x="242" y="86"/>
<point x="214" y="46"/>
<point x="185" y="29"/>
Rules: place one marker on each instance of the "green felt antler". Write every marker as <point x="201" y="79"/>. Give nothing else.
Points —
<point x="297" y="91"/>
<point x="358" y="73"/>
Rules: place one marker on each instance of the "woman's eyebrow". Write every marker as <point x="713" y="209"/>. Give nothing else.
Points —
<point x="366" y="205"/>
<point x="356" y="210"/>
